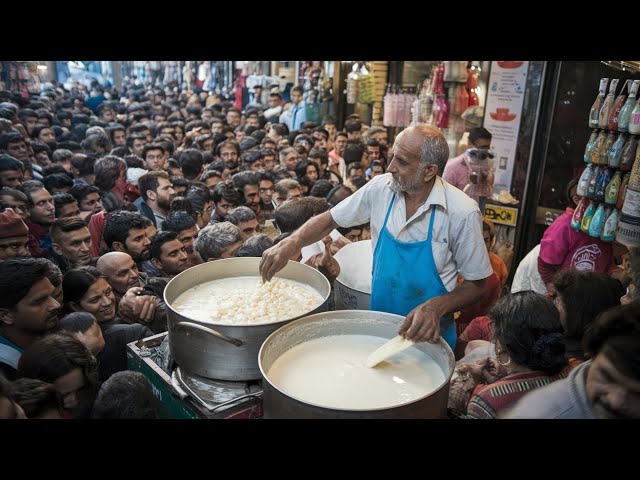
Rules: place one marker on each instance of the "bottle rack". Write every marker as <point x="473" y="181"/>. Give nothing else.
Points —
<point x="609" y="186"/>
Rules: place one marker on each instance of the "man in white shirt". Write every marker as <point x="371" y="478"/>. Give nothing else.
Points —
<point x="424" y="233"/>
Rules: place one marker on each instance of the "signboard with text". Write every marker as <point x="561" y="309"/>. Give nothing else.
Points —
<point x="503" y="110"/>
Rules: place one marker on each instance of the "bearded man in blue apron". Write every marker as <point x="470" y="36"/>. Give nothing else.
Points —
<point x="424" y="231"/>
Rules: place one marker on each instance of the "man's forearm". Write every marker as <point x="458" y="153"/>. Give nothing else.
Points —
<point x="468" y="292"/>
<point x="314" y="230"/>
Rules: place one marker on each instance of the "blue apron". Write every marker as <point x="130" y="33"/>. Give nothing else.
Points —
<point x="405" y="275"/>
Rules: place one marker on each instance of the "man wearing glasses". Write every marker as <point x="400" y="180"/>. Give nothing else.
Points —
<point x="458" y="171"/>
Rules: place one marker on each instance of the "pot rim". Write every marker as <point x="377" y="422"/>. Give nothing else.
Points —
<point x="341" y="282"/>
<point x="190" y="270"/>
<point x="355" y="315"/>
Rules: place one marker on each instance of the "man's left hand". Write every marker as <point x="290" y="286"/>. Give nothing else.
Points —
<point x="423" y="323"/>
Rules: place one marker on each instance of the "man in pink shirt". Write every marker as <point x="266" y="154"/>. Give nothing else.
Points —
<point x="457" y="171"/>
<point x="563" y="248"/>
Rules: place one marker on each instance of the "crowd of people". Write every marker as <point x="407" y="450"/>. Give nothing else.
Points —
<point x="105" y="196"/>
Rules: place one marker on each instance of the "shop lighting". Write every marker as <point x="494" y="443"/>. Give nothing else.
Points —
<point x="42" y="68"/>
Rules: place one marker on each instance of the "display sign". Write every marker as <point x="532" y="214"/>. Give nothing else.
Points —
<point x="500" y="214"/>
<point x="505" y="97"/>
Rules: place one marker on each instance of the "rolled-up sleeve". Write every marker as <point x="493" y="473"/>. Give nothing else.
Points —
<point x="468" y="248"/>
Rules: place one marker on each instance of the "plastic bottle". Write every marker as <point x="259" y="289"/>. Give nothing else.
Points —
<point x="616" y="150"/>
<point x="608" y="144"/>
<point x="607" y="104"/>
<point x="595" y="108"/>
<point x="628" y="154"/>
<point x="583" y="183"/>
<point x="598" y="147"/>
<point x="609" y="230"/>
<point x="591" y="188"/>
<point x="623" y="191"/>
<point x="625" y="112"/>
<point x="578" y="213"/>
<point x="634" y="121"/>
<point x="617" y="106"/>
<point x="589" y="147"/>
<point x="601" y="183"/>
<point x="597" y="222"/>
<point x="612" y="189"/>
<point x="587" y="217"/>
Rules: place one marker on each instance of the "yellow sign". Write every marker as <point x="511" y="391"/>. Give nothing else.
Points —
<point x="501" y="215"/>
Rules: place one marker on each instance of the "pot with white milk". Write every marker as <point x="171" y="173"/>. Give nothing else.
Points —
<point x="315" y="367"/>
<point x="220" y="313"/>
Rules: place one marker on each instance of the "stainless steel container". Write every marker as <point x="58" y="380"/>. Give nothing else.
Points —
<point x="227" y="352"/>
<point x="278" y="404"/>
<point x="352" y="288"/>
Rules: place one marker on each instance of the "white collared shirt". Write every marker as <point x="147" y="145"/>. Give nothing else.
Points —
<point x="457" y="242"/>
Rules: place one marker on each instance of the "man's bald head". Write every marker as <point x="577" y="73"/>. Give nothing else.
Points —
<point x="120" y="269"/>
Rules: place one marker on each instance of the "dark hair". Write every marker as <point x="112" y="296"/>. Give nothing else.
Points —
<point x="528" y="327"/>
<point x="178" y="221"/>
<point x="7" y="162"/>
<point x="17" y="276"/>
<point x="255" y="246"/>
<point x="58" y="181"/>
<point x="66" y="225"/>
<point x="191" y="163"/>
<point x="77" y="322"/>
<point x="358" y="181"/>
<point x="616" y="334"/>
<point x="293" y="213"/>
<point x="198" y="195"/>
<point x="76" y="283"/>
<point x="54" y="356"/>
<point x="572" y="183"/>
<point x="118" y="224"/>
<point x="54" y="168"/>
<point x="151" y="181"/>
<point x="180" y="204"/>
<point x="81" y="190"/>
<point x="321" y="188"/>
<point x="226" y="191"/>
<point x="240" y="214"/>
<point x="585" y="295"/>
<point x="478" y="133"/>
<point x="158" y="240"/>
<point x="61" y="199"/>
<point x="125" y="395"/>
<point x="36" y="397"/>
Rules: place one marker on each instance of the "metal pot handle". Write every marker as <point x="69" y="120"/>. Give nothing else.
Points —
<point x="210" y="331"/>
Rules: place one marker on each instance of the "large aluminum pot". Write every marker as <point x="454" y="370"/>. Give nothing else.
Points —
<point x="353" y="286"/>
<point x="227" y="352"/>
<point x="278" y="404"/>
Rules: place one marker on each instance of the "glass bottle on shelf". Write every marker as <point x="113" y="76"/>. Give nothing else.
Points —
<point x="595" y="108"/>
<point x="625" y="112"/>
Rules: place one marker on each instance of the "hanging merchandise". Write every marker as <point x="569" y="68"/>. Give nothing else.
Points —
<point x="472" y="85"/>
<point x="594" y="113"/>
<point x="625" y="113"/>
<point x="605" y="109"/>
<point x="365" y="86"/>
<point x="387" y="107"/>
<point x="617" y="106"/>
<point x="352" y="85"/>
